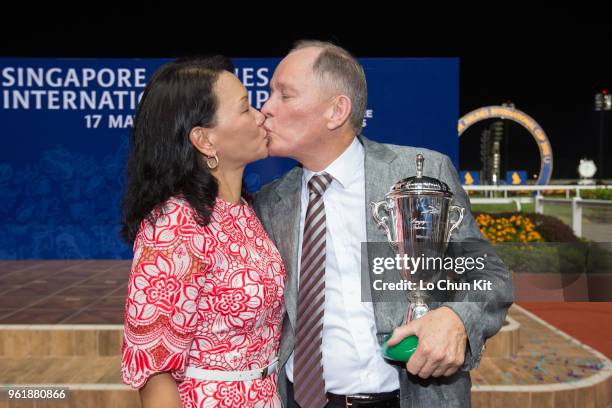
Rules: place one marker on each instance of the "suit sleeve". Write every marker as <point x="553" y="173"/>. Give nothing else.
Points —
<point x="482" y="315"/>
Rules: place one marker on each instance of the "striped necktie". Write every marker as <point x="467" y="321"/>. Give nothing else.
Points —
<point x="309" y="386"/>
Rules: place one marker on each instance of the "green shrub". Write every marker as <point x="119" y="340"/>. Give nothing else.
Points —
<point x="597" y="194"/>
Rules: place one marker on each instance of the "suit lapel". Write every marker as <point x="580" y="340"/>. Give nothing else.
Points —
<point x="286" y="225"/>
<point x="377" y="172"/>
<point x="378" y="181"/>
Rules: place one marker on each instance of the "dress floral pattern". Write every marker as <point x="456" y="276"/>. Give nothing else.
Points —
<point x="209" y="297"/>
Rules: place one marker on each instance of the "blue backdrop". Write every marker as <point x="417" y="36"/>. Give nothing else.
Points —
<point x="65" y="126"/>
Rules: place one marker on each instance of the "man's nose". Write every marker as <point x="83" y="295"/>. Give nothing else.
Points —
<point x="266" y="108"/>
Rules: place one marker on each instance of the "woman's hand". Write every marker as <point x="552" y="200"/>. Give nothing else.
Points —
<point x="160" y="391"/>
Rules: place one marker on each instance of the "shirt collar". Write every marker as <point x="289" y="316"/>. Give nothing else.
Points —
<point x="346" y="166"/>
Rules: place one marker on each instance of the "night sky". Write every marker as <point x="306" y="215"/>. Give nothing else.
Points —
<point x="549" y="66"/>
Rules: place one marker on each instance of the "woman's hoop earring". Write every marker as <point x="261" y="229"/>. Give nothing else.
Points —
<point x="212" y="162"/>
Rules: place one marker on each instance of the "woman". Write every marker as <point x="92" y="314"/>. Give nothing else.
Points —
<point x="204" y="304"/>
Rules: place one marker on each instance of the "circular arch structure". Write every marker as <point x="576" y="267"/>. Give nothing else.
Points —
<point x="505" y="112"/>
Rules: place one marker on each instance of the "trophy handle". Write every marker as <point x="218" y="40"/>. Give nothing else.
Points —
<point x="382" y="221"/>
<point x="460" y="211"/>
<point x="416" y="309"/>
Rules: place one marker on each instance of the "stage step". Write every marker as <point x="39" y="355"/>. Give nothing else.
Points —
<point x="506" y="342"/>
<point x="86" y="359"/>
<point x="60" y="340"/>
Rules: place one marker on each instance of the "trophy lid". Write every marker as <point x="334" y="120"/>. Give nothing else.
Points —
<point x="420" y="184"/>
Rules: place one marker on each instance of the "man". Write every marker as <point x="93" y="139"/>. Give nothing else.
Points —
<point x="318" y="216"/>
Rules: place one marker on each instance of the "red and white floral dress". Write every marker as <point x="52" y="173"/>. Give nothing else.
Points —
<point x="209" y="297"/>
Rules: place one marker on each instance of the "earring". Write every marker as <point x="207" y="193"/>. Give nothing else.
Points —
<point x="212" y="162"/>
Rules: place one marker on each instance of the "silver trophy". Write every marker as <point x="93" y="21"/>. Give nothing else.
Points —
<point x="416" y="216"/>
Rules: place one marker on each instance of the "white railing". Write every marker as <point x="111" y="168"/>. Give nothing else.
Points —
<point x="577" y="203"/>
<point x="538" y="189"/>
<point x="510" y="200"/>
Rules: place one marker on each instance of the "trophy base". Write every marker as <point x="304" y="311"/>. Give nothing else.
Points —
<point x="401" y="351"/>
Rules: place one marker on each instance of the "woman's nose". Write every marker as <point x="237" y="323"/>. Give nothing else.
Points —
<point x="260" y="118"/>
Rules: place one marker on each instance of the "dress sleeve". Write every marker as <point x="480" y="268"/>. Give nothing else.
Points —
<point x="160" y="313"/>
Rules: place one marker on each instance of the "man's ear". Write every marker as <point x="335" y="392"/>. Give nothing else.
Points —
<point x="200" y="139"/>
<point x="339" y="112"/>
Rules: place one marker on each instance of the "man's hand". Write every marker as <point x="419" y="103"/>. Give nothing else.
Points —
<point x="442" y="342"/>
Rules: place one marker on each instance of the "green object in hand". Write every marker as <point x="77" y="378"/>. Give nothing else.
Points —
<point x="401" y="351"/>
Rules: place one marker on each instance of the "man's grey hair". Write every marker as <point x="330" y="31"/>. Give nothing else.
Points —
<point x="339" y="70"/>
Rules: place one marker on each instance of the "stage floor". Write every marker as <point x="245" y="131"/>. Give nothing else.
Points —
<point x="63" y="292"/>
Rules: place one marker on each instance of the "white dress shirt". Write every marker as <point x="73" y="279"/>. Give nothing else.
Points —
<point x="352" y="360"/>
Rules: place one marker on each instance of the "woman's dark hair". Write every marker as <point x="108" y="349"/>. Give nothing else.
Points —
<point x="162" y="161"/>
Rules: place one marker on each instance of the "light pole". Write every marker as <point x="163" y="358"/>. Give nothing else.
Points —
<point x="485" y="156"/>
<point x="498" y="134"/>
<point x="603" y="104"/>
<point x="506" y="133"/>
